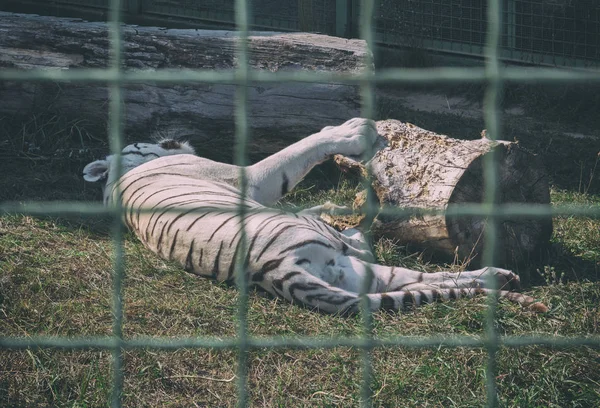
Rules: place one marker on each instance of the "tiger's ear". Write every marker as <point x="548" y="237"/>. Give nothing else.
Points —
<point x="96" y="171"/>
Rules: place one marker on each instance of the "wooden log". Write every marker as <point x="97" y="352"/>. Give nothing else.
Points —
<point x="279" y="113"/>
<point x="416" y="168"/>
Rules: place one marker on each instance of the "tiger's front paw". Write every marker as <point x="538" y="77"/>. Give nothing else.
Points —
<point x="355" y="137"/>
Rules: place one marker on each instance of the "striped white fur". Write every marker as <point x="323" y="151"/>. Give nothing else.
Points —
<point x="294" y="256"/>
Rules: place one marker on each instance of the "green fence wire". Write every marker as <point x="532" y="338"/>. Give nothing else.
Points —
<point x="493" y="75"/>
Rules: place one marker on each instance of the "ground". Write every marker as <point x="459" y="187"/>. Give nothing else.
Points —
<point x="55" y="279"/>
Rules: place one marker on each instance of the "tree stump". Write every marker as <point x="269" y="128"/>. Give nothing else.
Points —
<point x="279" y="113"/>
<point x="416" y="168"/>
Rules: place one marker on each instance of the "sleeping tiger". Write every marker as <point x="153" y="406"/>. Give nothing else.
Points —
<point x="291" y="255"/>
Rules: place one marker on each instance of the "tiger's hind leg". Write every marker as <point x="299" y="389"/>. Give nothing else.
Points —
<point x="480" y="278"/>
<point x="319" y="275"/>
<point x="349" y="273"/>
<point x="392" y="279"/>
<point x="294" y="281"/>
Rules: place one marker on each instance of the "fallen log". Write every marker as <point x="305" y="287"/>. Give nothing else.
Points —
<point x="279" y="113"/>
<point x="419" y="169"/>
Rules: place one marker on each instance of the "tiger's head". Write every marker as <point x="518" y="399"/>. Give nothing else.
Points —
<point x="132" y="156"/>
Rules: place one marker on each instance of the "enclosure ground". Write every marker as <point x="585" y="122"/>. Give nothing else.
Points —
<point x="55" y="280"/>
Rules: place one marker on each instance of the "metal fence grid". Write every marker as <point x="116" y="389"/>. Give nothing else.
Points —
<point x="436" y="24"/>
<point x="554" y="31"/>
<point x="493" y="75"/>
<point x="562" y="33"/>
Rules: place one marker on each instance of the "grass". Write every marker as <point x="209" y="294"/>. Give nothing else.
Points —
<point x="568" y="230"/>
<point x="55" y="279"/>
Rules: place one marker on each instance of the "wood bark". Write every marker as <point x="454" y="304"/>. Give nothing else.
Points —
<point x="416" y="168"/>
<point x="279" y="113"/>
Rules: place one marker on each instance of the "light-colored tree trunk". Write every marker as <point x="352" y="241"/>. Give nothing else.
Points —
<point x="421" y="169"/>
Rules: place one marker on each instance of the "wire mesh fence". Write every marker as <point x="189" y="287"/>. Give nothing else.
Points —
<point x="554" y="33"/>
<point x="557" y="33"/>
<point x="493" y="75"/>
<point x="265" y="13"/>
<point x="303" y="15"/>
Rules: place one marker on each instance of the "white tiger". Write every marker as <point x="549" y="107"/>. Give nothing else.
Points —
<point x="294" y="256"/>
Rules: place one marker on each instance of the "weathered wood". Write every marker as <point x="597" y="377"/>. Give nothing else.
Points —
<point x="280" y="113"/>
<point x="417" y="168"/>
